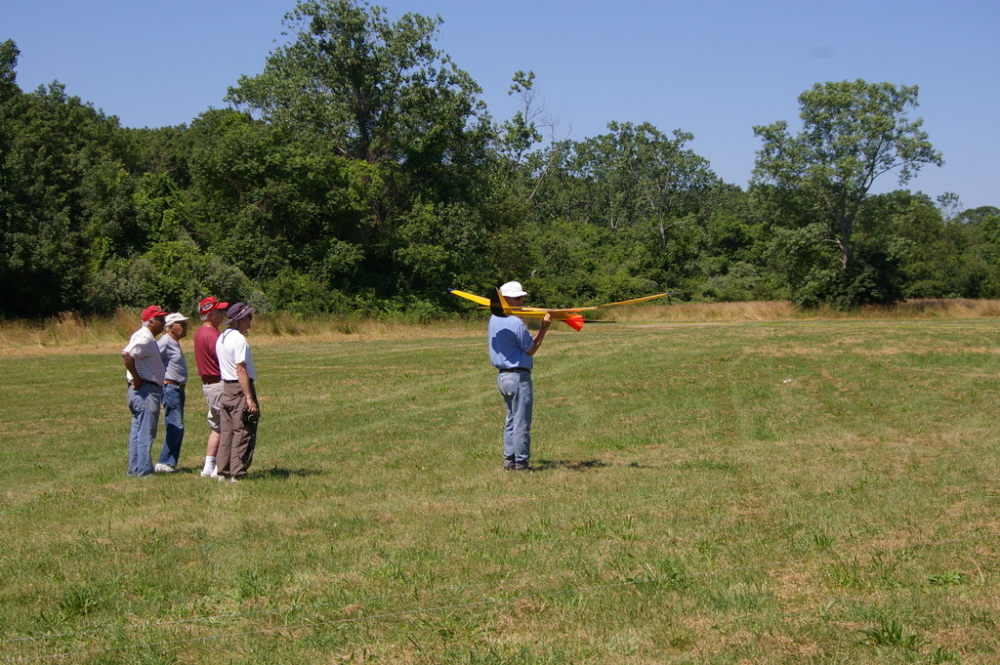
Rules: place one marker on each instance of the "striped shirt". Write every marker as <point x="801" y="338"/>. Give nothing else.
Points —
<point x="142" y="347"/>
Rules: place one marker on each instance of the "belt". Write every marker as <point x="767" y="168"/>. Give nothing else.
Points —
<point x="209" y="380"/>
<point x="228" y="381"/>
<point x="173" y="383"/>
<point x="515" y="369"/>
<point x="152" y="383"/>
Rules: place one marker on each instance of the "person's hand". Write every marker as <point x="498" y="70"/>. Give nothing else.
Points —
<point x="252" y="405"/>
<point x="547" y="321"/>
<point x="136" y="382"/>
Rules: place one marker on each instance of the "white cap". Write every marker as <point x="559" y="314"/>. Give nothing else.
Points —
<point x="512" y="290"/>
<point x="176" y="317"/>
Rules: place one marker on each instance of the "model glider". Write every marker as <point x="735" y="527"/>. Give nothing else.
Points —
<point x="499" y="306"/>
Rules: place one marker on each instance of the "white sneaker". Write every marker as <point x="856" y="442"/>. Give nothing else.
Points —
<point x="215" y="475"/>
<point x="205" y="473"/>
<point x="163" y="468"/>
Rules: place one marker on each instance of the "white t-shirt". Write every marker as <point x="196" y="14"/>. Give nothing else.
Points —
<point x="232" y="350"/>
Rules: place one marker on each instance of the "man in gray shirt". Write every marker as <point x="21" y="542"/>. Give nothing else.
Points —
<point x="175" y="377"/>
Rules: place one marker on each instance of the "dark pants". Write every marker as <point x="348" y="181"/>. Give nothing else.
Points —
<point x="236" y="439"/>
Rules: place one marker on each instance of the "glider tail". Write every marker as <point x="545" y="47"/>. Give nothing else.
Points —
<point x="498" y="304"/>
<point x="575" y="322"/>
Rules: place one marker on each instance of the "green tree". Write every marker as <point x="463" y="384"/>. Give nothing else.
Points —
<point x="930" y="247"/>
<point x="637" y="172"/>
<point x="55" y="150"/>
<point x="514" y="138"/>
<point x="176" y="274"/>
<point x="853" y="133"/>
<point x="268" y="198"/>
<point x="9" y="54"/>
<point x="643" y="187"/>
<point x="731" y="262"/>
<point x="981" y="256"/>
<point x="379" y="95"/>
<point x="374" y="90"/>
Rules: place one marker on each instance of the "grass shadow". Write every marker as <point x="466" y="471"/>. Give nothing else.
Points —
<point x="572" y="465"/>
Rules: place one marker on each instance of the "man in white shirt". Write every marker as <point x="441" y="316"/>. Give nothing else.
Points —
<point x="239" y="408"/>
<point x="144" y="372"/>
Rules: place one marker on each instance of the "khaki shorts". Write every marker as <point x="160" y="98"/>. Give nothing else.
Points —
<point x="213" y="397"/>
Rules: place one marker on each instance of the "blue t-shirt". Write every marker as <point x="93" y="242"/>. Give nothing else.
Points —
<point x="509" y="342"/>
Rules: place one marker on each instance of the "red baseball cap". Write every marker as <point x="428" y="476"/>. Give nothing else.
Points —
<point x="152" y="312"/>
<point x="210" y="303"/>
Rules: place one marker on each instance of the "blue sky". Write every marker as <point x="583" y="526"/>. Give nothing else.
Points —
<point x="714" y="68"/>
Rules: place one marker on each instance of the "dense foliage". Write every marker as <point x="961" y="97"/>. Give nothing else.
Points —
<point x="360" y="172"/>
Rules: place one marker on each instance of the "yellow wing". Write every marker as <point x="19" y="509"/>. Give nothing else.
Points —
<point x="485" y="302"/>
<point x="570" y="315"/>
<point x="479" y="300"/>
<point x="634" y="300"/>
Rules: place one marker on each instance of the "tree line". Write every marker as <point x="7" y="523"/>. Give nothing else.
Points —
<point x="360" y="172"/>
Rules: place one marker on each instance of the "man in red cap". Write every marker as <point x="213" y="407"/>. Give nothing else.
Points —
<point x="144" y="372"/>
<point x="212" y="314"/>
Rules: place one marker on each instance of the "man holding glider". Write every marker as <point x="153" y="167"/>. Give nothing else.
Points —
<point x="511" y="349"/>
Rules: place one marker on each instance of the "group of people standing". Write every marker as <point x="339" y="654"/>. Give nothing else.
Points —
<point x="157" y="374"/>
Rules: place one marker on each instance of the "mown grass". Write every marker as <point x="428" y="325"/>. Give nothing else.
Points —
<point x="802" y="491"/>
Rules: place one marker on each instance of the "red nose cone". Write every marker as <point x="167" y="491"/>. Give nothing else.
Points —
<point x="574" y="322"/>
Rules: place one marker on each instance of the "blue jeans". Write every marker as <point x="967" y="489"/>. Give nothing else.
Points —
<point x="517" y="395"/>
<point x="144" y="404"/>
<point x="173" y="418"/>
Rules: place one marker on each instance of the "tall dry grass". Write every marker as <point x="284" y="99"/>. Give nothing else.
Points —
<point x="779" y="310"/>
<point x="721" y="311"/>
<point x="70" y="332"/>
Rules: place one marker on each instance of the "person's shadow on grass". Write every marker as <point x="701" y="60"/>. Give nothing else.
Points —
<point x="280" y="473"/>
<point x="274" y="472"/>
<point x="572" y="465"/>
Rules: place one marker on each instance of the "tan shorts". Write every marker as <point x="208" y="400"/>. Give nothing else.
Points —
<point x="213" y="397"/>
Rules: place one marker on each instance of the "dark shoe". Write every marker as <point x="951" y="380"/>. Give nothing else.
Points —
<point x="508" y="464"/>
<point x="521" y="466"/>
